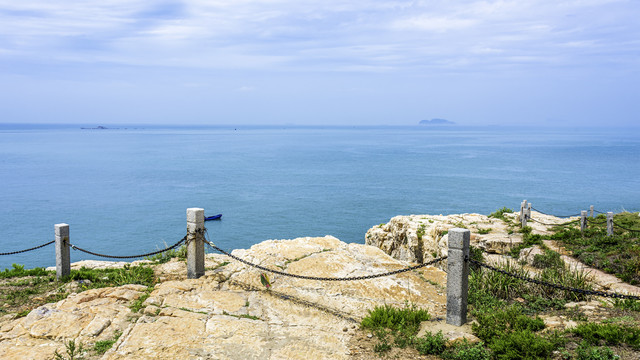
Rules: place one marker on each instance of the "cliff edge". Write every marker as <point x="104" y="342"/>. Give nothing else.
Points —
<point x="228" y="313"/>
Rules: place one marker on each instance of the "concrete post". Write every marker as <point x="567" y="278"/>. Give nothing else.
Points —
<point x="609" y="223"/>
<point x="524" y="210"/>
<point x="458" y="276"/>
<point x="591" y="209"/>
<point x="583" y="220"/>
<point x="63" y="259"/>
<point x="195" y="243"/>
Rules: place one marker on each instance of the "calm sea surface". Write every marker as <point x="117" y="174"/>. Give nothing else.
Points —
<point x="126" y="191"/>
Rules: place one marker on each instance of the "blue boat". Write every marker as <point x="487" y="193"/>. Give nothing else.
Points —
<point x="214" y="217"/>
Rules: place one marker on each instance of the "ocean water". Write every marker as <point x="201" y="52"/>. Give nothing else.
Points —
<point x="125" y="191"/>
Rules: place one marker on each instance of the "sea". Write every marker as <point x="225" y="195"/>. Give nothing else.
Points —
<point x="124" y="190"/>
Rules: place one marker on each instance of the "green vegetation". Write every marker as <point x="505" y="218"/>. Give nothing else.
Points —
<point x="463" y="350"/>
<point x="163" y="257"/>
<point x="420" y="231"/>
<point x="499" y="214"/>
<point x="99" y="278"/>
<point x="23" y="290"/>
<point x="73" y="351"/>
<point x="506" y="309"/>
<point x="618" y="254"/>
<point x="19" y="271"/>
<point x="401" y="323"/>
<point x="137" y="304"/>
<point x="484" y="231"/>
<point x="101" y="347"/>
<point x="588" y="352"/>
<point x="242" y="316"/>
<point x="431" y="344"/>
<point x="627" y="304"/>
<point x="610" y="334"/>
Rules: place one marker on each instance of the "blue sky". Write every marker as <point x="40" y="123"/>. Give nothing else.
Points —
<point x="525" y="62"/>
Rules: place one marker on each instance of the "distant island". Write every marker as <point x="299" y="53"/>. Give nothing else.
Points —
<point x="436" y="122"/>
<point x="95" y="128"/>
<point x="99" y="128"/>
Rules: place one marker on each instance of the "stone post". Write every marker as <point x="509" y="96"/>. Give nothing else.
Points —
<point x="63" y="259"/>
<point x="458" y="276"/>
<point x="583" y="220"/>
<point x="609" y="223"/>
<point x="591" y="209"/>
<point x="195" y="243"/>
<point x="523" y="213"/>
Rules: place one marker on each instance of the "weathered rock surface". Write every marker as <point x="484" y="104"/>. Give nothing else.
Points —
<point x="421" y="238"/>
<point x="228" y="313"/>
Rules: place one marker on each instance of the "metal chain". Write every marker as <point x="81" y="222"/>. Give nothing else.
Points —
<point x="596" y="222"/>
<point x="556" y="286"/>
<point x="324" y="278"/>
<point x="25" y="250"/>
<point x="624" y="228"/>
<point x="560" y="216"/>
<point x="130" y="256"/>
<point x="544" y="223"/>
<point x="547" y="224"/>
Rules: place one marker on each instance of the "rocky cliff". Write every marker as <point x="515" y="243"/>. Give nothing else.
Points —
<point x="228" y="313"/>
<point x="421" y="238"/>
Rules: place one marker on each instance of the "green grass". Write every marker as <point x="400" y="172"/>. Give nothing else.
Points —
<point x="609" y="334"/>
<point x="618" y="255"/>
<point x="101" y="347"/>
<point x="23" y="290"/>
<point x="484" y="231"/>
<point x="589" y="352"/>
<point x="73" y="351"/>
<point x="99" y="278"/>
<point x="627" y="304"/>
<point x="499" y="214"/>
<point x="19" y="271"/>
<point x="241" y="316"/>
<point x="401" y="323"/>
<point x="431" y="344"/>
<point x="136" y="305"/>
<point x="161" y="258"/>
<point x="420" y="231"/>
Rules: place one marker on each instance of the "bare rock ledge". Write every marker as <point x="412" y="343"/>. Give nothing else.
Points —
<point x="228" y="313"/>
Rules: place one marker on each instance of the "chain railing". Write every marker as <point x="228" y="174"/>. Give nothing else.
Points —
<point x="625" y="228"/>
<point x="558" y="216"/>
<point x="27" y="250"/>
<point x="320" y="278"/>
<point x="548" y="224"/>
<point x="74" y="247"/>
<point x="556" y="286"/>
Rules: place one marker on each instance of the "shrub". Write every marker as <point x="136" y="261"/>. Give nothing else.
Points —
<point x="587" y="352"/>
<point x="627" y="304"/>
<point x="395" y="319"/>
<point x="499" y="214"/>
<point x="496" y="323"/>
<point x="467" y="351"/>
<point x="522" y="345"/>
<point x="431" y="344"/>
<point x="612" y="334"/>
<point x="18" y="270"/>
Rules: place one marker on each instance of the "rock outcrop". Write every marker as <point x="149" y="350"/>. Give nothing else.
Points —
<point x="228" y="313"/>
<point x="421" y="238"/>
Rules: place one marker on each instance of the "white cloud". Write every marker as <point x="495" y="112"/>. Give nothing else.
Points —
<point x="298" y="35"/>
<point x="434" y="24"/>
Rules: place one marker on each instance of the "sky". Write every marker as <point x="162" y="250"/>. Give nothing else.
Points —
<point x="329" y="62"/>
